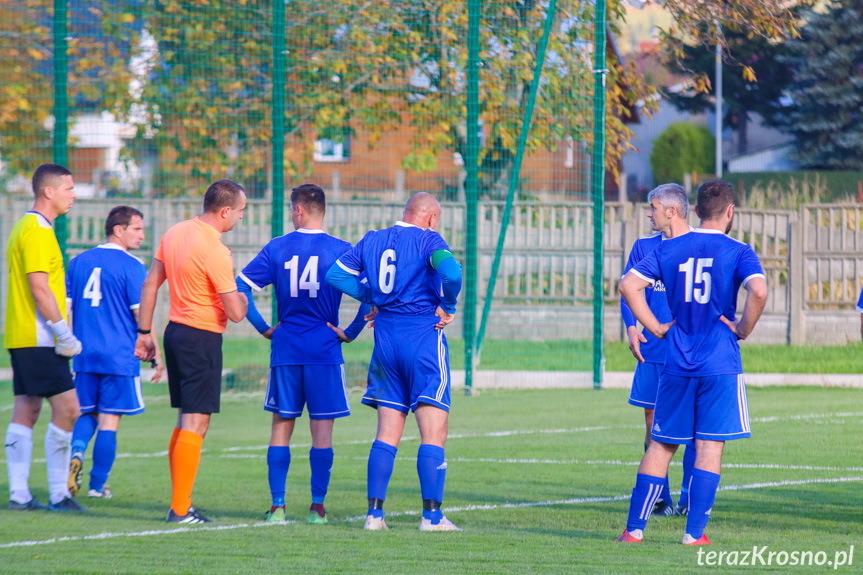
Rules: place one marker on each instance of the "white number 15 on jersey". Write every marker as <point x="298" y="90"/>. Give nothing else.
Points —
<point x="702" y="276"/>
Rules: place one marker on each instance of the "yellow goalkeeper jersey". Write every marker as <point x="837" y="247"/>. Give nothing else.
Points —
<point x="32" y="248"/>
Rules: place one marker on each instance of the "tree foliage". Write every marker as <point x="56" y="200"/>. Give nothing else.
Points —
<point x="194" y="78"/>
<point x="682" y="148"/>
<point x="826" y="117"/>
<point x="741" y="96"/>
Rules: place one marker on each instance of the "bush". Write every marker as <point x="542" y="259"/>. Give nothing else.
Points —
<point x="681" y="149"/>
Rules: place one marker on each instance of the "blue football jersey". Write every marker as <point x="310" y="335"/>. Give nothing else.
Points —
<point x="296" y="264"/>
<point x="398" y="266"/>
<point x="653" y="350"/>
<point x="860" y="302"/>
<point x="104" y="284"/>
<point x="702" y="272"/>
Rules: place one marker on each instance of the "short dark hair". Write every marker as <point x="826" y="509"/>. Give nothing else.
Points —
<point x="120" y="216"/>
<point x="222" y="194"/>
<point x="45" y="175"/>
<point x="714" y="197"/>
<point x="311" y="197"/>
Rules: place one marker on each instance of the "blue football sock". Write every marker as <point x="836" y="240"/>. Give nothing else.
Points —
<point x="688" y="464"/>
<point x="702" y="493"/>
<point x="431" y="468"/>
<point x="321" y="462"/>
<point x="382" y="458"/>
<point x="278" y="463"/>
<point x="83" y="432"/>
<point x="644" y="495"/>
<point x="104" y="453"/>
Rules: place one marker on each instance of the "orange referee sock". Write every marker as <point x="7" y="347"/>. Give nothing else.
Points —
<point x="171" y="447"/>
<point x="187" y="456"/>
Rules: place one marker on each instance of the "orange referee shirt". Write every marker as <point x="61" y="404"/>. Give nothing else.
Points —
<point x="199" y="267"/>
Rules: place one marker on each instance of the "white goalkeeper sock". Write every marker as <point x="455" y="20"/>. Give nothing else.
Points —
<point x="19" y="451"/>
<point x="58" y="451"/>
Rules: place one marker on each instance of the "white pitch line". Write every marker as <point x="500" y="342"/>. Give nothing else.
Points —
<point x="148" y="533"/>
<point x="535" y="461"/>
<point x="357" y="518"/>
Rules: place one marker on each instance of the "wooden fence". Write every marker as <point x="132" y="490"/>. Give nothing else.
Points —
<point x="813" y="258"/>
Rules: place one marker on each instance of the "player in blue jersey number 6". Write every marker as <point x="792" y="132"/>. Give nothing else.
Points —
<point x="701" y="395"/>
<point x="414" y="283"/>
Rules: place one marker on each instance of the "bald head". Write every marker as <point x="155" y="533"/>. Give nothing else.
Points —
<point x="422" y="210"/>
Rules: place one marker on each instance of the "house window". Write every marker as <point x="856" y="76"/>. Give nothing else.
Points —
<point x="327" y="150"/>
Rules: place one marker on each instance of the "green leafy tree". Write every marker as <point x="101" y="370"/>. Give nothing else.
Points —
<point x="197" y="82"/>
<point x="741" y="96"/>
<point x="682" y="149"/>
<point x="826" y="117"/>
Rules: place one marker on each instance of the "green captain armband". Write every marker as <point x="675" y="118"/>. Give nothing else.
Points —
<point x="439" y="256"/>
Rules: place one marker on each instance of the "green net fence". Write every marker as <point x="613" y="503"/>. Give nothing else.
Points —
<point x="491" y="106"/>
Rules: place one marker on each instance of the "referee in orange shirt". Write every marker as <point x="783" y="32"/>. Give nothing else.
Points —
<point x="204" y="296"/>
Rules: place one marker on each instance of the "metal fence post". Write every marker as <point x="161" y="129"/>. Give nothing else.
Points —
<point x="61" y="107"/>
<point x="598" y="193"/>
<point x="471" y="190"/>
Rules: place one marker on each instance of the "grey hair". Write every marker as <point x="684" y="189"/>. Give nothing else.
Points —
<point x="671" y="195"/>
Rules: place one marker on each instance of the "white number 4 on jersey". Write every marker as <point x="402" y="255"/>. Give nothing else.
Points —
<point x="93" y="289"/>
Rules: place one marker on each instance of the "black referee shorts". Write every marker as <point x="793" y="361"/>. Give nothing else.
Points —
<point x="193" y="358"/>
<point x="39" y="372"/>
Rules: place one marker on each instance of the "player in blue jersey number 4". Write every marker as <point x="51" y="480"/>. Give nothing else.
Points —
<point x="414" y="283"/>
<point x="701" y="395"/>
<point x="104" y="288"/>
<point x="306" y="365"/>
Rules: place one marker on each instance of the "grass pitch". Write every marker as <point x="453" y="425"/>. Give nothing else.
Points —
<point x="539" y="480"/>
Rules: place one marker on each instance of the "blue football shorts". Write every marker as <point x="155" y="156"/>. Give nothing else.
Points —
<point x="410" y="364"/>
<point x="319" y="387"/>
<point x="713" y="408"/>
<point x="645" y="382"/>
<point x="117" y="394"/>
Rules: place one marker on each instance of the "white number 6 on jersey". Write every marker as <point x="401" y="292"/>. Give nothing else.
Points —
<point x="387" y="276"/>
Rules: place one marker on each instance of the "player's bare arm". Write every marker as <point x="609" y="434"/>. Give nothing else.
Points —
<point x="632" y="290"/>
<point x="236" y="305"/>
<point x="756" y="299"/>
<point x="445" y="318"/>
<point x="145" y="347"/>
<point x="46" y="304"/>
<point x="636" y="338"/>
<point x="158" y="365"/>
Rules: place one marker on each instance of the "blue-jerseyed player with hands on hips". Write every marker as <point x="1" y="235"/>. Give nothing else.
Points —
<point x="306" y="365"/>
<point x="104" y="289"/>
<point x="415" y="282"/>
<point x="669" y="208"/>
<point x="701" y="395"/>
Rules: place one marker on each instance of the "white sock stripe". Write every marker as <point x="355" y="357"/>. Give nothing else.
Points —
<point x="655" y="499"/>
<point x="646" y="501"/>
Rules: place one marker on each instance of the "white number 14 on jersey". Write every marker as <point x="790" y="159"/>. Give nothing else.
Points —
<point x="308" y="279"/>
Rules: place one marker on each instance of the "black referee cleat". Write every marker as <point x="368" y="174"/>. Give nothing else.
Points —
<point x="31" y="505"/>
<point x="191" y="517"/>
<point x="67" y="504"/>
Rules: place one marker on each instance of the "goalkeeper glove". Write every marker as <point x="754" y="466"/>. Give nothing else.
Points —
<point x="67" y="344"/>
